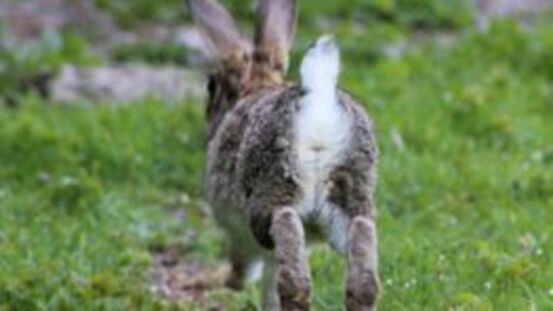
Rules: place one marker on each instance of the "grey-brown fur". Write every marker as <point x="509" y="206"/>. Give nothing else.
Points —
<point x="253" y="180"/>
<point x="251" y="161"/>
<point x="354" y="181"/>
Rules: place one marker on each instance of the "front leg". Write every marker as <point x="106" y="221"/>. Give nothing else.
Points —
<point x="293" y="277"/>
<point x="362" y="285"/>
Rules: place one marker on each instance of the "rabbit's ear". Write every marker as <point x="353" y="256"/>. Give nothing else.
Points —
<point x="218" y="26"/>
<point x="275" y="25"/>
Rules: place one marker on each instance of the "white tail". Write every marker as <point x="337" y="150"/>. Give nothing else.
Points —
<point x="320" y="66"/>
<point x="321" y="122"/>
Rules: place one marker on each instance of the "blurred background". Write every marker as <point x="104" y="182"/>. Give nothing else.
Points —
<point x="101" y="151"/>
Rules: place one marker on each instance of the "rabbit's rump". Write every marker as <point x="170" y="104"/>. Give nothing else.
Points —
<point x="284" y="148"/>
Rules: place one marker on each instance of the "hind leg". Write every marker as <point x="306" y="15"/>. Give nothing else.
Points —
<point x="293" y="278"/>
<point x="242" y="253"/>
<point x="355" y="238"/>
<point x="351" y="197"/>
<point x="362" y="283"/>
<point x="241" y="261"/>
<point x="242" y="249"/>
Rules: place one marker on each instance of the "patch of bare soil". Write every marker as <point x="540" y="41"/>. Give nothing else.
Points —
<point x="186" y="280"/>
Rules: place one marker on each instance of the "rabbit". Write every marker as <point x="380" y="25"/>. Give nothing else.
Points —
<point x="287" y="163"/>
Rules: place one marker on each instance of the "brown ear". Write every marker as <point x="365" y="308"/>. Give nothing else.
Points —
<point x="275" y="25"/>
<point x="218" y="26"/>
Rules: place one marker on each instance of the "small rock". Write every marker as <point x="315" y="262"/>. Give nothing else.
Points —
<point x="191" y="37"/>
<point x="510" y="7"/>
<point x="125" y="83"/>
<point x="489" y="9"/>
<point x="28" y="19"/>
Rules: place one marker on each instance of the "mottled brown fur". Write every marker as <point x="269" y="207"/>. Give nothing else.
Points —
<point x="354" y="181"/>
<point x="225" y="87"/>
<point x="253" y="165"/>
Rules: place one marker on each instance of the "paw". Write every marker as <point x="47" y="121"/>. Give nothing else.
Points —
<point x="362" y="292"/>
<point x="293" y="290"/>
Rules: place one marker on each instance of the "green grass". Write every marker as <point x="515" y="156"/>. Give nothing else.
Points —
<point x="84" y="193"/>
<point x="465" y="199"/>
<point x="408" y="13"/>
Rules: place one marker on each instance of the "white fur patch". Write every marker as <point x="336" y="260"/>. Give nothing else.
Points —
<point x="323" y="130"/>
<point x="321" y="65"/>
<point x="322" y="123"/>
